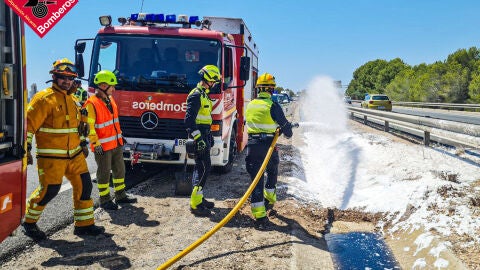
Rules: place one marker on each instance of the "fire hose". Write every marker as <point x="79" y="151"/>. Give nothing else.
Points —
<point x="230" y="214"/>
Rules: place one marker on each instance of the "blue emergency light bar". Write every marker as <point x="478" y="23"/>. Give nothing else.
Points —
<point x="155" y="18"/>
<point x="161" y="18"/>
<point x="193" y="19"/>
<point x="134" y="17"/>
<point x="171" y="18"/>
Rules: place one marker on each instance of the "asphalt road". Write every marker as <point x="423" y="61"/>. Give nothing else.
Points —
<point x="457" y="116"/>
<point x="59" y="212"/>
<point x="451" y="115"/>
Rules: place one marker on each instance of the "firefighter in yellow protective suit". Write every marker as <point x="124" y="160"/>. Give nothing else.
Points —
<point x="55" y="118"/>
<point x="263" y="118"/>
<point x="106" y="141"/>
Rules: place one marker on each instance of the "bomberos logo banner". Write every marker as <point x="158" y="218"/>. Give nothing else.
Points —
<point x="41" y="15"/>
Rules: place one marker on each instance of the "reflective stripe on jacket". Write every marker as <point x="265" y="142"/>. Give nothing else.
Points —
<point x="53" y="117"/>
<point x="204" y="116"/>
<point x="106" y="124"/>
<point x="259" y="119"/>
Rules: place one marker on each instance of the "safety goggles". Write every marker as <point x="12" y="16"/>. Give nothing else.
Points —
<point x="66" y="67"/>
<point x="215" y="77"/>
<point x="62" y="77"/>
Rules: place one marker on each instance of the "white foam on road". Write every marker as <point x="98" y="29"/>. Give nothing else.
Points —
<point x="367" y="171"/>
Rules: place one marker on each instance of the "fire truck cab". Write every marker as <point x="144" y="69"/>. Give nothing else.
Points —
<point x="156" y="59"/>
<point x="12" y="122"/>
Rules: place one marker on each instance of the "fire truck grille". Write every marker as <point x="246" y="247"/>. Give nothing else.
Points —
<point x="165" y="129"/>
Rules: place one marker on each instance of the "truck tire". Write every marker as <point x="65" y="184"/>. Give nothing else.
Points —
<point x="232" y="153"/>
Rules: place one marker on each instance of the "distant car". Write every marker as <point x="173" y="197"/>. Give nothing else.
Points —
<point x="347" y="99"/>
<point x="377" y="102"/>
<point x="281" y="98"/>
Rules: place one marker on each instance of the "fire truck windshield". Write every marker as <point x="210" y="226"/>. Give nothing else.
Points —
<point x="153" y="63"/>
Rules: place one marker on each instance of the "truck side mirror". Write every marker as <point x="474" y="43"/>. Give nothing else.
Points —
<point x="79" y="65"/>
<point x="244" y="68"/>
<point x="79" y="49"/>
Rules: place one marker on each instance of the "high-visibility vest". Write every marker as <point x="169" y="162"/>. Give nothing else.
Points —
<point x="204" y="116"/>
<point x="81" y="94"/>
<point x="107" y="125"/>
<point x="53" y="117"/>
<point x="259" y="119"/>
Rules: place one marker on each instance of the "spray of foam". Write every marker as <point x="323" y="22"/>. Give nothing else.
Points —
<point x="330" y="156"/>
<point x="323" y="105"/>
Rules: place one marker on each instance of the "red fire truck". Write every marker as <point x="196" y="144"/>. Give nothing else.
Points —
<point x="13" y="93"/>
<point x="156" y="58"/>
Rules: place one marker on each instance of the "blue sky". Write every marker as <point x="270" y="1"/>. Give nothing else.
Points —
<point x="298" y="40"/>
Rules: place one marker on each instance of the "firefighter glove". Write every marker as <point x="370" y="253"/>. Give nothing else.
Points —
<point x="29" y="158"/>
<point x="83" y="129"/>
<point x="201" y="145"/>
<point x="98" y="150"/>
<point x="295" y="125"/>
<point x="85" y="151"/>
<point x="29" y="154"/>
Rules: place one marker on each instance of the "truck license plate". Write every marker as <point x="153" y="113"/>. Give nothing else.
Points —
<point x="180" y="142"/>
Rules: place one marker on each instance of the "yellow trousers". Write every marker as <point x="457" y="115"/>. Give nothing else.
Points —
<point x="50" y="173"/>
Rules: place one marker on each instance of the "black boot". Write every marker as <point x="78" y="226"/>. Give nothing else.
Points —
<point x="89" y="230"/>
<point x="201" y="211"/>
<point x="127" y="199"/>
<point x="109" y="205"/>
<point x="31" y="230"/>
<point x="268" y="205"/>
<point x="208" y="204"/>
<point x="262" y="224"/>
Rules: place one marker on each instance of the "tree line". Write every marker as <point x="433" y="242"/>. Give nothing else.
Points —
<point x="454" y="80"/>
<point x="280" y="89"/>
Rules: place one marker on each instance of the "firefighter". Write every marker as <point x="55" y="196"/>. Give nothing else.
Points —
<point x="263" y="118"/>
<point x="198" y="120"/>
<point x="106" y="141"/>
<point x="81" y="94"/>
<point x="54" y="118"/>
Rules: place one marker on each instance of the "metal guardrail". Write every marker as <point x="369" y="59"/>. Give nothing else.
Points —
<point x="442" y="131"/>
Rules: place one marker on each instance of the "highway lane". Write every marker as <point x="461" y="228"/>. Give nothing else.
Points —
<point x="457" y="116"/>
<point x="451" y="115"/>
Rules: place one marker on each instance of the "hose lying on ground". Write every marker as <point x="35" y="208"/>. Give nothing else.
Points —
<point x="230" y="214"/>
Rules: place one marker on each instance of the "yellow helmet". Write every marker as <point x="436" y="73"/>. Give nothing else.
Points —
<point x="105" y="76"/>
<point x="210" y="73"/>
<point x="266" y="80"/>
<point x="64" y="67"/>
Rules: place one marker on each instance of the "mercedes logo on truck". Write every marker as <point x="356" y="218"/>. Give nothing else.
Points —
<point x="149" y="120"/>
